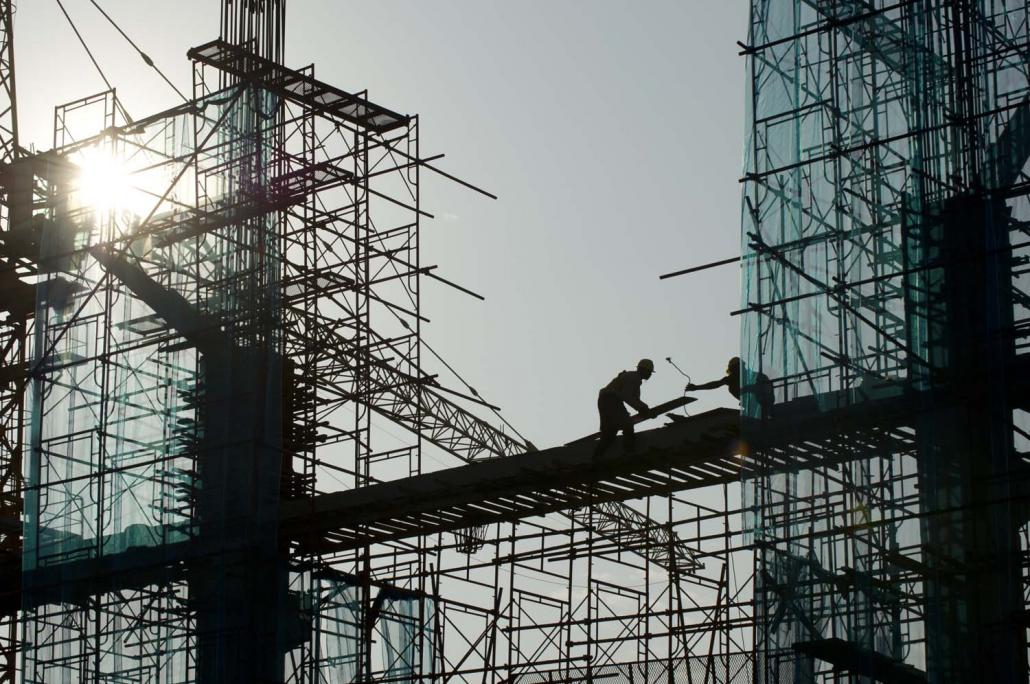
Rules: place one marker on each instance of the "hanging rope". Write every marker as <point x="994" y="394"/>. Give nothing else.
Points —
<point x="93" y="59"/>
<point x="144" y="56"/>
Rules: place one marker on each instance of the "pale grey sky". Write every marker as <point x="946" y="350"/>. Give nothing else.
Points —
<point x="611" y="131"/>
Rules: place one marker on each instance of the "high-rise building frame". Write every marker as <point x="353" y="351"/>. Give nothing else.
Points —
<point x="212" y="386"/>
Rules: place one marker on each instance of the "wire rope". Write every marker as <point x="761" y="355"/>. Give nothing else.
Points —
<point x="93" y="59"/>
<point x="144" y="56"/>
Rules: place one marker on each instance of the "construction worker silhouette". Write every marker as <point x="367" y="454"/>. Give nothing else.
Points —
<point x="611" y="400"/>
<point x="761" y="387"/>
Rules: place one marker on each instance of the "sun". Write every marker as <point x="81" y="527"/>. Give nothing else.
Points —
<point x="106" y="182"/>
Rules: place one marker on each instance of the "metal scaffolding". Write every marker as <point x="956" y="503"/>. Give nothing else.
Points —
<point x="885" y="320"/>
<point x="14" y="324"/>
<point x="214" y="320"/>
<point x="225" y="360"/>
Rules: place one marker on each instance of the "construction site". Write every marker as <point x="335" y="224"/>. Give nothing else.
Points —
<point x="223" y="457"/>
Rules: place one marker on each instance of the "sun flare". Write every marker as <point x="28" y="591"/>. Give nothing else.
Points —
<point x="107" y="183"/>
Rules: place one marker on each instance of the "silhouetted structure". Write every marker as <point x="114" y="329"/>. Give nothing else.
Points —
<point x="884" y="294"/>
<point x="238" y="467"/>
<point x="230" y="421"/>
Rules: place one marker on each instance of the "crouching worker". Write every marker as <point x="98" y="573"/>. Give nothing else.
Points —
<point x="624" y="389"/>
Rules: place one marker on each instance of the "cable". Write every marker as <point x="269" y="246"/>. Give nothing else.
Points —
<point x="93" y="59"/>
<point x="469" y="387"/>
<point x="473" y="391"/>
<point x="669" y="359"/>
<point x="144" y="56"/>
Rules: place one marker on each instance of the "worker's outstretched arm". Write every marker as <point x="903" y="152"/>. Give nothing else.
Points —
<point x="714" y="384"/>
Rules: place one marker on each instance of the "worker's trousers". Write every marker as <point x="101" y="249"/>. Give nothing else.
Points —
<point x="614" y="417"/>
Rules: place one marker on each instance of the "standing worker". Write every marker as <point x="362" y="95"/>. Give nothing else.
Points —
<point x="624" y="389"/>
<point x="762" y="387"/>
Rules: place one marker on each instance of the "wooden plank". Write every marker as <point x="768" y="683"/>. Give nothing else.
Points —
<point x="654" y="412"/>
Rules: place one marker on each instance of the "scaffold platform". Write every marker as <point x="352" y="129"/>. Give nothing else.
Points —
<point x="297" y="86"/>
<point x="695" y="452"/>
<point x="689" y="453"/>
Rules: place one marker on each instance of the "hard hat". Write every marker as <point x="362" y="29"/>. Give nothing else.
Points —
<point x="646" y="365"/>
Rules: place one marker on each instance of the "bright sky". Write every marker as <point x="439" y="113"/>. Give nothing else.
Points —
<point x="611" y="131"/>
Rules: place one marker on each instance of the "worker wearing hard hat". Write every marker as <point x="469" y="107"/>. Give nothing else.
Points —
<point x="624" y="389"/>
